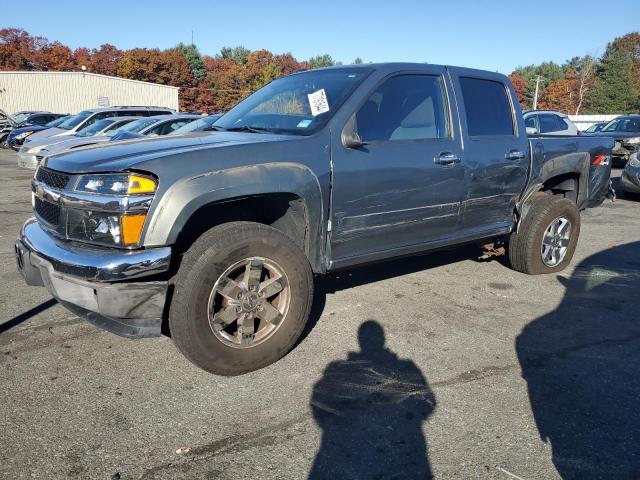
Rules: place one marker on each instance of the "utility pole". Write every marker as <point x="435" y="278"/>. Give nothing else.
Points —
<point x="191" y="37"/>
<point x="535" y="96"/>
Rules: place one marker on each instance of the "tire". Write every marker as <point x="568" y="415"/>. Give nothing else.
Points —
<point x="197" y="335"/>
<point x="526" y="245"/>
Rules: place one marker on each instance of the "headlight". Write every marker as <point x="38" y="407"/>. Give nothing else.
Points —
<point x="22" y="135"/>
<point x="35" y="149"/>
<point x="632" y="141"/>
<point x="105" y="228"/>
<point x="116" y="184"/>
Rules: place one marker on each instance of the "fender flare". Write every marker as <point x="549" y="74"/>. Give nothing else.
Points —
<point x="187" y="195"/>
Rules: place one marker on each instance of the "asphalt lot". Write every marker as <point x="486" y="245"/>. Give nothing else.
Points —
<point x="485" y="373"/>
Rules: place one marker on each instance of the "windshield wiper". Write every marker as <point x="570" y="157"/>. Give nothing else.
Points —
<point x="215" y="128"/>
<point x="248" y="128"/>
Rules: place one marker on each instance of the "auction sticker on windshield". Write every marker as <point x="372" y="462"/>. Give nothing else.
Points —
<point x="318" y="102"/>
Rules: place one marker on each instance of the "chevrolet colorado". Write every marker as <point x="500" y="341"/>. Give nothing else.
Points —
<point x="215" y="238"/>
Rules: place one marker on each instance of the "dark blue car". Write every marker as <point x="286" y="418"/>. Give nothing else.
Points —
<point x="31" y="124"/>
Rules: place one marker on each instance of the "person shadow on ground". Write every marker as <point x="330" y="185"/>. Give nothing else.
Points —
<point x="371" y="408"/>
<point x="581" y="363"/>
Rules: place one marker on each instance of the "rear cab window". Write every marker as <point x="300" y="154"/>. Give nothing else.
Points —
<point x="487" y="107"/>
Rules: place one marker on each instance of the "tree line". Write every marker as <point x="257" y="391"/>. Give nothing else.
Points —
<point x="608" y="84"/>
<point x="207" y="83"/>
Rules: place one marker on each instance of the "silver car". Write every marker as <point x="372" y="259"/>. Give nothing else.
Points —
<point x="101" y="131"/>
<point x="548" y="122"/>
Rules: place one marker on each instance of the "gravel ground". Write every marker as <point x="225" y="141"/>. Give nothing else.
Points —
<point x="437" y="362"/>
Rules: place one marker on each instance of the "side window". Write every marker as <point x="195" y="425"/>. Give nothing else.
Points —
<point x="530" y="122"/>
<point x="40" y="120"/>
<point x="155" y="131"/>
<point x="132" y="113"/>
<point x="405" y="107"/>
<point x="551" y="123"/>
<point x="487" y="107"/>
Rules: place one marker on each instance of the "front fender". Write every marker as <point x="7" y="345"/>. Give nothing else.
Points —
<point x="187" y="195"/>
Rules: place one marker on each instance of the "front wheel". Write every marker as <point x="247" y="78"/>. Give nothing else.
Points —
<point x="241" y="299"/>
<point x="546" y="237"/>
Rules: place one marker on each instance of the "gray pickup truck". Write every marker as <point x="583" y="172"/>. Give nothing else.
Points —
<point x="215" y="238"/>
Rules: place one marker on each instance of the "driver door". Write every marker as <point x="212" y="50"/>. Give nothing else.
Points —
<point x="403" y="188"/>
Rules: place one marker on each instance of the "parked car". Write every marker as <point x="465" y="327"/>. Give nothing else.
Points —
<point x="625" y="130"/>
<point x="87" y="117"/>
<point x="548" y="122"/>
<point x="99" y="132"/>
<point x="16" y="137"/>
<point x="29" y="156"/>
<point x="630" y="178"/>
<point x="31" y="119"/>
<point x="203" y="124"/>
<point x="154" y="126"/>
<point x="7" y="123"/>
<point x="595" y="128"/>
<point x="217" y="237"/>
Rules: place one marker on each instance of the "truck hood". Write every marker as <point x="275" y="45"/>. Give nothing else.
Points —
<point x="128" y="154"/>
<point x="72" y="142"/>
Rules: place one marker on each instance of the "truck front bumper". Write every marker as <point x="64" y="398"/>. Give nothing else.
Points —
<point x="98" y="284"/>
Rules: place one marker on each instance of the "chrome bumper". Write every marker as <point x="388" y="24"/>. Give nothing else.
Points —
<point x="89" y="281"/>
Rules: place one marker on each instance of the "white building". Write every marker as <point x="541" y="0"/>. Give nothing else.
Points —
<point x="71" y="92"/>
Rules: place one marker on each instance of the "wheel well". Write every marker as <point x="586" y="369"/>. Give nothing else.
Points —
<point x="565" y="185"/>
<point x="284" y="211"/>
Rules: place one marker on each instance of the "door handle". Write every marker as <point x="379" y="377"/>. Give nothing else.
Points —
<point x="446" y="159"/>
<point x="514" y="155"/>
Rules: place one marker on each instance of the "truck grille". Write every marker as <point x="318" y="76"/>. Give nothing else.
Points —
<point x="52" y="178"/>
<point x="49" y="212"/>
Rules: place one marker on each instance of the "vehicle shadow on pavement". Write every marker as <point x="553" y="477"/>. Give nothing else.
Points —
<point x="371" y="408"/>
<point x="345" y="279"/>
<point x="581" y="365"/>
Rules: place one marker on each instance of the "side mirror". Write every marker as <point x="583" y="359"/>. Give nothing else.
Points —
<point x="350" y="136"/>
<point x="531" y="131"/>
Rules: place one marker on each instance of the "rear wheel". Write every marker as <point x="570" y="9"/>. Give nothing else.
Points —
<point x="241" y="299"/>
<point x="547" y="236"/>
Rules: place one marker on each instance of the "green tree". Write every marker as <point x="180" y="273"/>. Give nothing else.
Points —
<point x="192" y="54"/>
<point x="239" y="55"/>
<point x="549" y="72"/>
<point x="357" y="61"/>
<point x="613" y="91"/>
<point x="320" y="61"/>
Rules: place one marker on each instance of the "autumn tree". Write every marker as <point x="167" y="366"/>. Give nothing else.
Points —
<point x="105" y="59"/>
<point x="19" y="50"/>
<point x="519" y="84"/>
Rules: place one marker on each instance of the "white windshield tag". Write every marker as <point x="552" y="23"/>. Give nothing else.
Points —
<point x="318" y="102"/>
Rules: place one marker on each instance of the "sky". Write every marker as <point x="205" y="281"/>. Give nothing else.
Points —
<point x="492" y="35"/>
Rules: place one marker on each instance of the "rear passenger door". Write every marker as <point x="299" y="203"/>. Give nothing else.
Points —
<point x="403" y="187"/>
<point x="496" y="156"/>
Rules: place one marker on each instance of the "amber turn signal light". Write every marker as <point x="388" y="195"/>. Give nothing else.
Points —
<point x="132" y="228"/>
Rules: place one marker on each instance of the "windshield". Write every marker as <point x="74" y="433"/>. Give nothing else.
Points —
<point x="196" y="126"/>
<point x="300" y="104"/>
<point x="74" y="120"/>
<point x="56" y="122"/>
<point x="623" y="125"/>
<point x="21" y="117"/>
<point x="94" y="128"/>
<point x="136" y="126"/>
